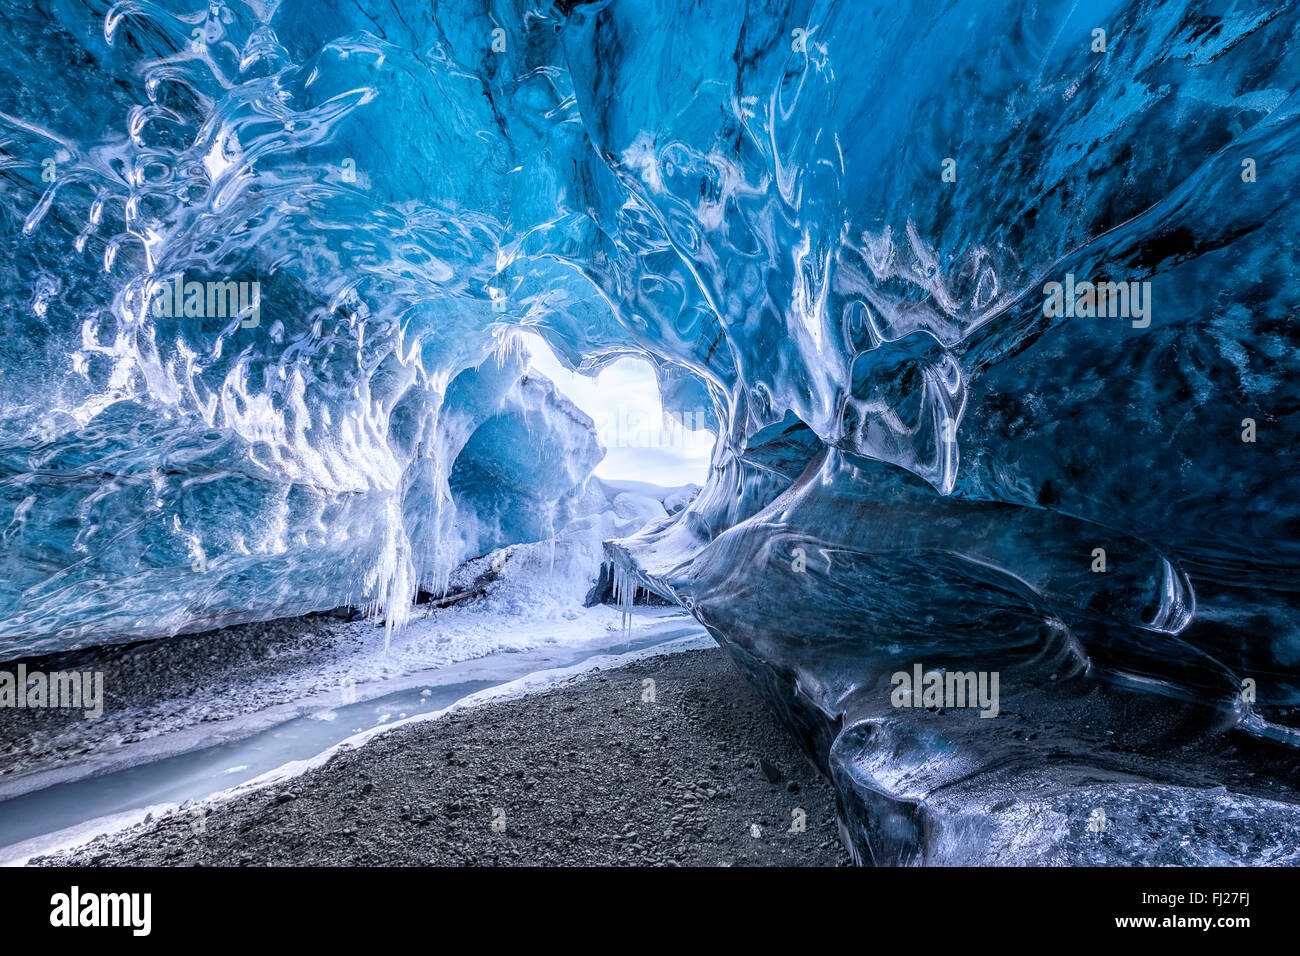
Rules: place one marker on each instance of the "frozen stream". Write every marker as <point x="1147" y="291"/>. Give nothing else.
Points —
<point x="53" y="816"/>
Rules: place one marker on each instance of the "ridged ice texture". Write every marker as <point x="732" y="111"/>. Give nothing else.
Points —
<point x="752" y="194"/>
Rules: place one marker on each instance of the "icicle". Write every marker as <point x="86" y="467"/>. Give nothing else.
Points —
<point x="550" y="542"/>
<point x="625" y="591"/>
<point x="509" y="344"/>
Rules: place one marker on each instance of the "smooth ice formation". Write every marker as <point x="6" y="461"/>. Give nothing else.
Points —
<point x="994" y="309"/>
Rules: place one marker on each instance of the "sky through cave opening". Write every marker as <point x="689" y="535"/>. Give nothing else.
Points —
<point x="642" y="442"/>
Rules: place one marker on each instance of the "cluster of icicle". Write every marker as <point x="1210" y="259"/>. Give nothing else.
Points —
<point x="625" y="592"/>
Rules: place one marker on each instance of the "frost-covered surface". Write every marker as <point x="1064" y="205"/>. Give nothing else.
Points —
<point x="917" y="460"/>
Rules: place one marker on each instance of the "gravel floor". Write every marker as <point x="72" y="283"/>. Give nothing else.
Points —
<point x="154" y="687"/>
<point x="591" y="773"/>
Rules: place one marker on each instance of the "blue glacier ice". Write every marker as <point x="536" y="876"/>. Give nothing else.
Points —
<point x="832" y="226"/>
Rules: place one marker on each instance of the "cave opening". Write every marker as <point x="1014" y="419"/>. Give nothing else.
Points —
<point x="644" y="440"/>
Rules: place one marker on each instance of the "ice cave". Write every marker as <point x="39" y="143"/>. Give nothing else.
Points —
<point x="977" y="320"/>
